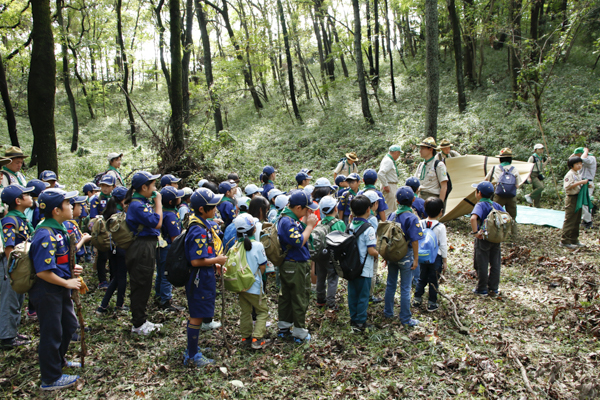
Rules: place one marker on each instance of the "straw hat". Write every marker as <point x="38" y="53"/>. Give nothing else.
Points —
<point x="445" y="143"/>
<point x="429" y="142"/>
<point x="505" y="152"/>
<point x="352" y="156"/>
<point x="14" y="152"/>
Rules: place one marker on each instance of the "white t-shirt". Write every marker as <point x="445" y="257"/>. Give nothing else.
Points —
<point x="256" y="257"/>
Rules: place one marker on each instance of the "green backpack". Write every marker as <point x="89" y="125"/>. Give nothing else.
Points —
<point x="238" y="276"/>
<point x="99" y="233"/>
<point x="391" y="243"/>
<point x="119" y="230"/>
<point x="21" y="270"/>
<point x="497" y="227"/>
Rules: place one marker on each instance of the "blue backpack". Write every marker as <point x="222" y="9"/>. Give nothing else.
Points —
<point x="507" y="183"/>
<point x="428" y="245"/>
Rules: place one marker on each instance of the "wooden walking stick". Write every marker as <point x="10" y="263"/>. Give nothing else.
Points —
<point x="76" y="299"/>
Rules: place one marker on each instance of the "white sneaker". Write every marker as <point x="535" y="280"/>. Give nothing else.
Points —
<point x="211" y="325"/>
<point x="147" y="328"/>
<point x="528" y="199"/>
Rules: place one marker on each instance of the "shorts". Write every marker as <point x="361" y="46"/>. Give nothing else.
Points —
<point x="201" y="292"/>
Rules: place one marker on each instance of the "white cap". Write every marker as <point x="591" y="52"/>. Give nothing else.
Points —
<point x="327" y="204"/>
<point x="187" y="191"/>
<point x="308" y="189"/>
<point x="243" y="202"/>
<point x="281" y="201"/>
<point x="372" y="195"/>
<point x="112" y="156"/>
<point x="251" y="189"/>
<point x="538" y="146"/>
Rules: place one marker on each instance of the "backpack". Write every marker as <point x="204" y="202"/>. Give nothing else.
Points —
<point x="99" y="177"/>
<point x="238" y="276"/>
<point x="428" y="245"/>
<point x="178" y="269"/>
<point x="318" y="245"/>
<point x="507" y="183"/>
<point x="391" y="243"/>
<point x="343" y="247"/>
<point x="119" y="231"/>
<point x="449" y="184"/>
<point x="270" y="240"/>
<point x="21" y="270"/>
<point x="497" y="226"/>
<point x="100" y="235"/>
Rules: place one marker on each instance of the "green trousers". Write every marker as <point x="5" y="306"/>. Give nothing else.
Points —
<point x="538" y="188"/>
<point x="570" y="230"/>
<point x="510" y="205"/>
<point x="294" y="294"/>
<point x="259" y="302"/>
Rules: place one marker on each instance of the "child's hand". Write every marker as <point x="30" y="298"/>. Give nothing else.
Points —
<point x="77" y="270"/>
<point x="415" y="264"/>
<point x="220" y="259"/>
<point x="86" y="238"/>
<point x="157" y="198"/>
<point x="73" y="283"/>
<point x="312" y="220"/>
<point x="444" y="265"/>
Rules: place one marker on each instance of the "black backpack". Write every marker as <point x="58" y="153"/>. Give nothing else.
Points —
<point x="178" y="268"/>
<point x="343" y="247"/>
<point x="449" y="187"/>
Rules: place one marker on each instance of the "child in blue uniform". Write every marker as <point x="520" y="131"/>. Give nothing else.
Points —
<point x="273" y="193"/>
<point x="184" y="206"/>
<point x="201" y="289"/>
<point x="90" y="190"/>
<point x="268" y="180"/>
<point x="145" y="221"/>
<point x="419" y="204"/>
<point x="169" y="180"/>
<point x="370" y="178"/>
<point x="227" y="207"/>
<point x="73" y="227"/>
<point x="51" y="292"/>
<point x="353" y="181"/>
<point x="38" y="187"/>
<point x="97" y="206"/>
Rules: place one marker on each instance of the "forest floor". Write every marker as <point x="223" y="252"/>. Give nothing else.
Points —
<point x="542" y="331"/>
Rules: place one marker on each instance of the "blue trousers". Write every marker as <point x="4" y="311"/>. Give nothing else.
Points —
<point x="359" y="291"/>
<point x="162" y="286"/>
<point x="10" y="303"/>
<point x="402" y="268"/>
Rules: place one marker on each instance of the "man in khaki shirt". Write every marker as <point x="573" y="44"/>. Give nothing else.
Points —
<point x="445" y="151"/>
<point x="388" y="177"/>
<point x="347" y="166"/>
<point x="434" y="179"/>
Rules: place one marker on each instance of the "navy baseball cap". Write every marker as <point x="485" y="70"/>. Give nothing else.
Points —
<point x="339" y="179"/>
<point x="52" y="198"/>
<point x="11" y="192"/>
<point x="370" y="176"/>
<point x="38" y="186"/>
<point x="141" y="178"/>
<point x="226" y="186"/>
<point x="413" y="182"/>
<point x="78" y="200"/>
<point x="166" y="179"/>
<point x="404" y="193"/>
<point x="169" y="193"/>
<point x="301" y="198"/>
<point x="119" y="193"/>
<point x="353" y="177"/>
<point x="486" y="188"/>
<point x="90" y="187"/>
<point x="108" y="180"/>
<point x="204" y="197"/>
<point x="268" y="170"/>
<point x="302" y="176"/>
<point x="48" y="176"/>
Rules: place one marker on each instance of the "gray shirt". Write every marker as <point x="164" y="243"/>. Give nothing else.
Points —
<point x="589" y="168"/>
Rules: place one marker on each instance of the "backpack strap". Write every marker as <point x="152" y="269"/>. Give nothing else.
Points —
<point x="365" y="225"/>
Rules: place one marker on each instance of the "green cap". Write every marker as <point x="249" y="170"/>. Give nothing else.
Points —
<point x="578" y="150"/>
<point x="395" y="147"/>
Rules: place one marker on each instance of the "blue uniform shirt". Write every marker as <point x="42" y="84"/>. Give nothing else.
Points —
<point x="141" y="213"/>
<point x="382" y="204"/>
<point x="98" y="204"/>
<point x="227" y="210"/>
<point x="72" y="227"/>
<point x="12" y="233"/>
<point x="483" y="208"/>
<point x="267" y="188"/>
<point x="36" y="217"/>
<point x="50" y="252"/>
<point x="199" y="242"/>
<point x="290" y="234"/>
<point x="170" y="226"/>
<point x="345" y="202"/>
<point x="419" y="206"/>
<point x="410" y="226"/>
<point x="229" y="237"/>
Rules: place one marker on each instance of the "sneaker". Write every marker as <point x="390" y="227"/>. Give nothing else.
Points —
<point x="246" y="341"/>
<point x="146" y="328"/>
<point x="417" y="302"/>
<point x="528" y="199"/>
<point x="198" y="360"/>
<point x="122" y="308"/>
<point x="259" y="344"/>
<point x="411" y="323"/>
<point x="171" y="307"/>
<point x="494" y="293"/>
<point x="321" y="305"/>
<point x="23" y="337"/>
<point x="210" y="326"/>
<point x="568" y="245"/>
<point x="101" y="311"/>
<point x="63" y="382"/>
<point x="579" y="244"/>
<point x="73" y="364"/>
<point x="361" y="327"/>
<point x="587" y="225"/>
<point x="334" y="307"/>
<point x="9" y="344"/>
<point x="432" y="307"/>
<point x="103" y="285"/>
<point x="284" y="334"/>
<point x="375" y="300"/>
<point x="32" y="316"/>
<point x="480" y="292"/>
<point x="297" y="340"/>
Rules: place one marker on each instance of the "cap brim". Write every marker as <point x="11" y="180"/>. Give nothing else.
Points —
<point x="216" y="200"/>
<point x="59" y="186"/>
<point x="16" y="156"/>
<point x="180" y="194"/>
<point x="474" y="185"/>
<point x="313" y="206"/>
<point x="71" y="194"/>
<point x="79" y="199"/>
<point x="5" y="161"/>
<point x="28" y="189"/>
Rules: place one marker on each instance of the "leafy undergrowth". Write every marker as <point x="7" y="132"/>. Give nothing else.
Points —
<point x="546" y="319"/>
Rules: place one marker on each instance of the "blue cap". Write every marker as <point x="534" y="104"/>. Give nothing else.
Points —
<point x="108" y="180"/>
<point x="11" y="192"/>
<point x="281" y="201"/>
<point x="38" y="186"/>
<point x="52" y="198"/>
<point x="413" y="182"/>
<point x="48" y="176"/>
<point x="274" y="193"/>
<point x="169" y="193"/>
<point x="372" y="196"/>
<point x="302" y="176"/>
<point x="370" y="176"/>
<point x="327" y="204"/>
<point x="119" y="193"/>
<point x="244" y="223"/>
<point x="251" y="189"/>
<point x="353" y="177"/>
<point x="90" y="187"/>
<point x="204" y="197"/>
<point x="404" y="193"/>
<point x="301" y="198"/>
<point x="166" y="179"/>
<point x="339" y="179"/>
<point x="78" y="200"/>
<point x="268" y="170"/>
<point x="226" y="186"/>
<point x="486" y="188"/>
<point x="141" y="178"/>
<point x="307" y="171"/>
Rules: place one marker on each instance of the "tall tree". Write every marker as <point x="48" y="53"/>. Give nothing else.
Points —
<point x="123" y="57"/>
<point x="176" y="87"/>
<point x="11" y="122"/>
<point x="469" y="35"/>
<point x="460" y="80"/>
<point x="360" y="66"/>
<point x="188" y="46"/>
<point x="432" y="65"/>
<point x="288" y="56"/>
<point x="376" y="44"/>
<point x="41" y="88"/>
<point x="388" y="33"/>
<point x="514" y="11"/>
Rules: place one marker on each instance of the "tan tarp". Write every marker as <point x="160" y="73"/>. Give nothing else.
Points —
<point x="467" y="170"/>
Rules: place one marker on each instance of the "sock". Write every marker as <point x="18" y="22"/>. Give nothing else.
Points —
<point x="192" y="339"/>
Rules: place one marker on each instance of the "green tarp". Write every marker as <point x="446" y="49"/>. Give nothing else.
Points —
<point x="540" y="216"/>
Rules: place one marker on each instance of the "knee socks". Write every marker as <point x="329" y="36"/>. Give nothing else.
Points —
<point x="192" y="339"/>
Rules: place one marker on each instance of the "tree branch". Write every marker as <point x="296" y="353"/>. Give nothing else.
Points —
<point x="18" y="49"/>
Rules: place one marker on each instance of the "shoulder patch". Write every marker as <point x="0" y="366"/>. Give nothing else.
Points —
<point x="48" y="260"/>
<point x="199" y="252"/>
<point x="52" y="252"/>
<point x="45" y="244"/>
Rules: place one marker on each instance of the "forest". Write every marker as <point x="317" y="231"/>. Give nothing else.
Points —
<point x="201" y="88"/>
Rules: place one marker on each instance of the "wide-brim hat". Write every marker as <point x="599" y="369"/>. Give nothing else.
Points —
<point x="352" y="156"/>
<point x="505" y="152"/>
<point x="14" y="152"/>
<point x="4" y="161"/>
<point x="428" y="142"/>
<point x="445" y="143"/>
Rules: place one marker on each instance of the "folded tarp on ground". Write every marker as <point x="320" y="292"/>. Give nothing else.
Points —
<point x="540" y="216"/>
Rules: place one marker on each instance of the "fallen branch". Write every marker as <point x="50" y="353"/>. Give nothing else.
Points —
<point x="455" y="318"/>
<point x="523" y="371"/>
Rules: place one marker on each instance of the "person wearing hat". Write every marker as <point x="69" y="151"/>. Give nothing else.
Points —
<point x="347" y="165"/>
<point x="419" y="204"/>
<point x="388" y="177"/>
<point x="281" y="203"/>
<point x="487" y="254"/>
<point x="294" y="273"/>
<point x="273" y="194"/>
<point x="370" y="178"/>
<point x="51" y="291"/>
<point x="145" y="222"/>
<point x="344" y="211"/>
<point x="12" y="163"/>
<point x="445" y="151"/>
<point x="51" y="178"/>
<point x="252" y="190"/>
<point x="431" y="172"/>
<point x="340" y="181"/>
<point x="376" y="199"/>
<point x="508" y="202"/>
<point x="227" y="206"/>
<point x="201" y="289"/>
<point x="114" y="163"/>
<point x="97" y="206"/>
<point x="302" y="179"/>
<point x="588" y="171"/>
<point x="16" y="229"/>
<point x="184" y="206"/>
<point x="73" y="228"/>
<point x="539" y="163"/>
<point x="33" y="212"/>
<point x="169" y="180"/>
<point x="268" y="179"/>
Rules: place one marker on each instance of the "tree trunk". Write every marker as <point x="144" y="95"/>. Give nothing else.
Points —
<point x="41" y="88"/>
<point x="514" y="12"/>
<point x="360" y="67"/>
<point x="460" y="80"/>
<point x="288" y="56"/>
<point x="320" y="49"/>
<point x="161" y="45"/>
<point x="388" y="33"/>
<point x="432" y="64"/>
<point x="563" y="10"/>
<point x="176" y="80"/>
<point x="188" y="46"/>
<point x="125" y="74"/>
<point x="82" y="82"/>
<point x="376" y="44"/>
<point x="469" y="28"/>
<point x="11" y="122"/>
<point x="369" y="40"/>
<point x="208" y="67"/>
<point x="337" y="41"/>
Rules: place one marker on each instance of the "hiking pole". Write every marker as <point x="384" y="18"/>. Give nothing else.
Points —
<point x="537" y="117"/>
<point x="75" y="297"/>
<point x="222" y="279"/>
